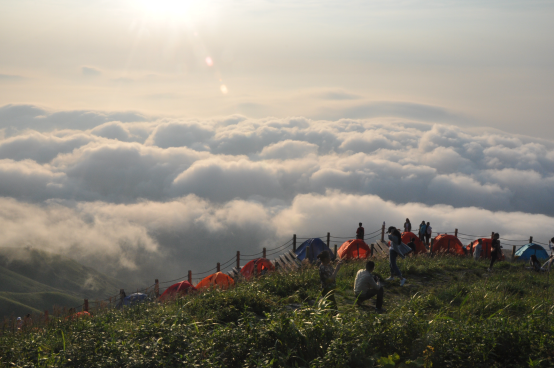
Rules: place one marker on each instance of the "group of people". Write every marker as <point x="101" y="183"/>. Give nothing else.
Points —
<point x="424" y="232"/>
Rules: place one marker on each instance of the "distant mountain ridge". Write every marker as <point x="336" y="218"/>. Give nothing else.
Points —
<point x="33" y="280"/>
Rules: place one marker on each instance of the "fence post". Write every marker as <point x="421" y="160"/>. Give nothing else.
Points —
<point x="46" y="316"/>
<point x="372" y="249"/>
<point x="293" y="243"/>
<point x="86" y="305"/>
<point x="238" y="259"/>
<point x="121" y="295"/>
<point x="328" y="239"/>
<point x="431" y="247"/>
<point x="456" y="233"/>
<point x="335" y="250"/>
<point x="219" y="266"/>
<point x="513" y="253"/>
<point x="262" y="253"/>
<point x="383" y="232"/>
<point x="530" y="239"/>
<point x="156" y="289"/>
<point x="190" y="277"/>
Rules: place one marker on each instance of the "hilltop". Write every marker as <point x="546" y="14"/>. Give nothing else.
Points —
<point x="451" y="313"/>
<point x="33" y="280"/>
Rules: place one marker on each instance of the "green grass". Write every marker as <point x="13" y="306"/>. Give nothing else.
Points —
<point x="19" y="304"/>
<point x="451" y="313"/>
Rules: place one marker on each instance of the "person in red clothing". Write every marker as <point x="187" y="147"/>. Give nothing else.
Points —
<point x="360" y="232"/>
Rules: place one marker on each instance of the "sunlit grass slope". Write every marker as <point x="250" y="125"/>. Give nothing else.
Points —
<point x="451" y="313"/>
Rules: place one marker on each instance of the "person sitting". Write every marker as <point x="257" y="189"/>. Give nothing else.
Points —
<point x="478" y="249"/>
<point x="360" y="232"/>
<point x="366" y="286"/>
<point x="412" y="245"/>
<point x="534" y="263"/>
<point x="328" y="276"/>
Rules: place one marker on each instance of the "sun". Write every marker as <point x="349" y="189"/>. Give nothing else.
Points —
<point x="174" y="9"/>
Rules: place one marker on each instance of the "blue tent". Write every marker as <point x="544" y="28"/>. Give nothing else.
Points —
<point x="134" y="299"/>
<point x="315" y="246"/>
<point x="525" y="252"/>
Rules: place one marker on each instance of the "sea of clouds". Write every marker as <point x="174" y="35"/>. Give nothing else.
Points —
<point x="143" y="198"/>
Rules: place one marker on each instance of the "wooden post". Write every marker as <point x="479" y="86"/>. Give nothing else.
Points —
<point x="372" y="249"/>
<point x="328" y="239"/>
<point x="293" y="243"/>
<point x="85" y="308"/>
<point x="383" y="232"/>
<point x="263" y="253"/>
<point x="190" y="277"/>
<point x="121" y="295"/>
<point x="219" y="265"/>
<point x="456" y="233"/>
<point x="531" y="239"/>
<point x="431" y="247"/>
<point x="46" y="316"/>
<point x="238" y="259"/>
<point x="335" y="250"/>
<point x="156" y="289"/>
<point x="513" y="253"/>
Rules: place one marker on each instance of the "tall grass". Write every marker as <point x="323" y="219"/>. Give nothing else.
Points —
<point x="451" y="313"/>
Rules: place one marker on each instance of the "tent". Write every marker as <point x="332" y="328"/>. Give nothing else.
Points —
<point x="354" y="248"/>
<point x="486" y="245"/>
<point x="407" y="237"/>
<point x="218" y="279"/>
<point x="134" y="299"/>
<point x="256" y="267"/>
<point x="180" y="288"/>
<point x="313" y="247"/>
<point x="445" y="243"/>
<point x="526" y="251"/>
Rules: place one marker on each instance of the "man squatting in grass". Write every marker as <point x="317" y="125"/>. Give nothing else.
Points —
<point x="328" y="277"/>
<point x="396" y="249"/>
<point x="366" y="286"/>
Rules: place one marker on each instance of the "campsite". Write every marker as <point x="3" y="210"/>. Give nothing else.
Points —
<point x="452" y="313"/>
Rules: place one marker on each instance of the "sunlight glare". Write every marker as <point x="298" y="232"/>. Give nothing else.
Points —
<point x="176" y="9"/>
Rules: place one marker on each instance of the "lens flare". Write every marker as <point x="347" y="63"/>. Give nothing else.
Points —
<point x="209" y="61"/>
<point x="224" y="89"/>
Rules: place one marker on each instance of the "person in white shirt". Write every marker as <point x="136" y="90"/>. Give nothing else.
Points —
<point x="477" y="250"/>
<point x="366" y="286"/>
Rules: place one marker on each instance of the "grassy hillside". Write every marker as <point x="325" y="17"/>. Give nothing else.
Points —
<point x="58" y="272"/>
<point x="13" y="282"/>
<point x="20" y="304"/>
<point x="451" y="313"/>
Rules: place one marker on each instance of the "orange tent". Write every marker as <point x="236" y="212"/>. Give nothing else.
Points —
<point x="445" y="243"/>
<point x="354" y="248"/>
<point x="486" y="248"/>
<point x="180" y="288"/>
<point x="407" y="237"/>
<point x="218" y="279"/>
<point x="256" y="267"/>
<point x="78" y="315"/>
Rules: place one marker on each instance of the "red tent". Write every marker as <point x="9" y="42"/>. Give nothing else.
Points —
<point x="445" y="243"/>
<point x="180" y="288"/>
<point x="354" y="248"/>
<point x="256" y="267"/>
<point x="486" y="248"/>
<point x="218" y="279"/>
<point x="407" y="237"/>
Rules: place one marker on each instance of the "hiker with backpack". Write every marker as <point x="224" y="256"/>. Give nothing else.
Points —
<point x="328" y="278"/>
<point x="366" y="286"/>
<point x="397" y="248"/>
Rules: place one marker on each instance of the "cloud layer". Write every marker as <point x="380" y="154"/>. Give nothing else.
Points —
<point x="133" y="192"/>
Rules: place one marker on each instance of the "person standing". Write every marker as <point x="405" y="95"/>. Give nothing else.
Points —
<point x="366" y="286"/>
<point x="396" y="249"/>
<point x="328" y="277"/>
<point x="477" y="250"/>
<point x="422" y="231"/>
<point x="407" y="226"/>
<point x="428" y="232"/>
<point x="360" y="232"/>
<point x="495" y="250"/>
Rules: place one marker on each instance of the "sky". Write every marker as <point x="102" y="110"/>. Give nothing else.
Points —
<point x="145" y="137"/>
